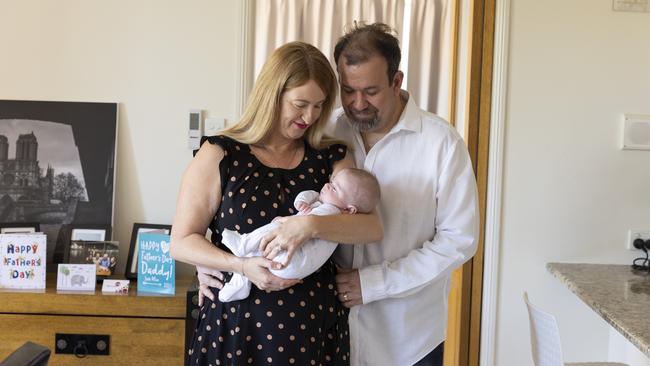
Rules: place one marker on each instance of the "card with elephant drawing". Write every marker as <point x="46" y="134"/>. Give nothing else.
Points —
<point x="76" y="277"/>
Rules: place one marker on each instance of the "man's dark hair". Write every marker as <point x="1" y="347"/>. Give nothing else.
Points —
<point x="365" y="40"/>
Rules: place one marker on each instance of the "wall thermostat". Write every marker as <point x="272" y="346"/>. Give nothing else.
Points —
<point x="195" y="128"/>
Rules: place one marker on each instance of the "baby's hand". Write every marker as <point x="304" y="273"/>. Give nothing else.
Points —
<point x="304" y="208"/>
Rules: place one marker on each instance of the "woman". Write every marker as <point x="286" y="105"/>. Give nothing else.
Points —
<point x="241" y="180"/>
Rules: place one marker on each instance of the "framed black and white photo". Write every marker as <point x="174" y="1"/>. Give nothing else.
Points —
<point x="57" y="165"/>
<point x="103" y="254"/>
<point x="131" y="271"/>
<point x="19" y="227"/>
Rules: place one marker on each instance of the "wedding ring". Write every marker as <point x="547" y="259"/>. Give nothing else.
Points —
<point x="345" y="297"/>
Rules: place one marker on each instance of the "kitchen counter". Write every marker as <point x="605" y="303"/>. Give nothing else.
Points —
<point x="618" y="293"/>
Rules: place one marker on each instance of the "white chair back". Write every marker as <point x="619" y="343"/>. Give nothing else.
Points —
<point x="544" y="337"/>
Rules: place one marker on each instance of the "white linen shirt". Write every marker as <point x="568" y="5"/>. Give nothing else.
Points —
<point x="429" y="210"/>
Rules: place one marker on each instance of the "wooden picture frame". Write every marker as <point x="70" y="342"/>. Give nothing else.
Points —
<point x="131" y="268"/>
<point x="19" y="227"/>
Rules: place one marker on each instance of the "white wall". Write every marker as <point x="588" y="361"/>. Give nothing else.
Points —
<point x="158" y="59"/>
<point x="569" y="192"/>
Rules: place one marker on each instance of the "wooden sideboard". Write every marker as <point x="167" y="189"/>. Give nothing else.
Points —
<point x="143" y="330"/>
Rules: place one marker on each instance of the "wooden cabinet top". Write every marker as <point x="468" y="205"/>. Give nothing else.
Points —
<point x="97" y="304"/>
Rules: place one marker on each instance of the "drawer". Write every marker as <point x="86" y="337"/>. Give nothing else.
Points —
<point x="133" y="341"/>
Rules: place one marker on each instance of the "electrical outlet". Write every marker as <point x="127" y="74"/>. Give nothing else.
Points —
<point x="633" y="234"/>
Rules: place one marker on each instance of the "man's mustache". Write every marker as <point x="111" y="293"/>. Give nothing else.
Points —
<point x="368" y="109"/>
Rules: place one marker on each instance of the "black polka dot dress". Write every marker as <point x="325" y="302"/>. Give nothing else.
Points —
<point x="302" y="325"/>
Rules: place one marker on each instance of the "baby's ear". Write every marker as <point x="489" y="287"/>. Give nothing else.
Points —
<point x="351" y="209"/>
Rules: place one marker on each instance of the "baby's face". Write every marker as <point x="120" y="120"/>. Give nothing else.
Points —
<point x="337" y="191"/>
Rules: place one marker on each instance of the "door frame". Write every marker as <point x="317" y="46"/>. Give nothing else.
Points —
<point x="464" y="336"/>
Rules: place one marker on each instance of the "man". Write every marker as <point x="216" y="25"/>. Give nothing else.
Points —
<point x="397" y="292"/>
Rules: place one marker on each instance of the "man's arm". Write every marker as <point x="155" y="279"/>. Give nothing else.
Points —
<point x="455" y="241"/>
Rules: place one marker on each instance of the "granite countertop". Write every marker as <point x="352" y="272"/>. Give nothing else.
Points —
<point x="618" y="293"/>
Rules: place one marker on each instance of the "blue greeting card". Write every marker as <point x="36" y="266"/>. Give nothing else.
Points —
<point x="156" y="269"/>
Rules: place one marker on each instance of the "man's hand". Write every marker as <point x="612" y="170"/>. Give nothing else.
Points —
<point x="348" y="286"/>
<point x="208" y="278"/>
<point x="290" y="235"/>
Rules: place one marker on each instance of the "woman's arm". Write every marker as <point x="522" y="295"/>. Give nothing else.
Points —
<point x="198" y="200"/>
<point x="342" y="228"/>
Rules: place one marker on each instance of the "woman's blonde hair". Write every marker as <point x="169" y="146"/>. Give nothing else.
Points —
<point x="289" y="66"/>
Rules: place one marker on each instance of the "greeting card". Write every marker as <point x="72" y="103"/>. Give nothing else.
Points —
<point x="76" y="277"/>
<point x="115" y="287"/>
<point x="22" y="261"/>
<point x="156" y="268"/>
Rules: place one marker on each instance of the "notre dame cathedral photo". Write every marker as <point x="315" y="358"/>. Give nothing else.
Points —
<point x="57" y="164"/>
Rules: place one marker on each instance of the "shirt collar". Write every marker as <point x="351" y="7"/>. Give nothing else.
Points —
<point x="409" y="120"/>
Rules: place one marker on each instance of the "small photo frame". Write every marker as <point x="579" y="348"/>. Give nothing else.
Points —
<point x="131" y="271"/>
<point x="76" y="231"/>
<point x="103" y="254"/>
<point x="90" y="232"/>
<point x="19" y="227"/>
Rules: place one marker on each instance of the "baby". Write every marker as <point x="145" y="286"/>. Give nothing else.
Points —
<point x="350" y="191"/>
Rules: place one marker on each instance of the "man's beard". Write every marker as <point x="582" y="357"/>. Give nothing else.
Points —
<point x="363" y="124"/>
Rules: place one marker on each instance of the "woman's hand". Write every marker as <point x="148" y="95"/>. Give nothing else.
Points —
<point x="292" y="233"/>
<point x="256" y="269"/>
<point x="208" y="278"/>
